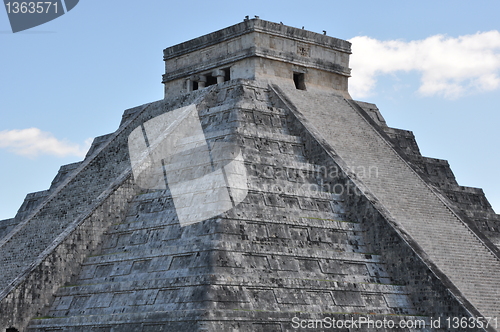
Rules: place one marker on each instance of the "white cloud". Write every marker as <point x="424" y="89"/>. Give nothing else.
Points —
<point x="33" y="142"/>
<point x="449" y="67"/>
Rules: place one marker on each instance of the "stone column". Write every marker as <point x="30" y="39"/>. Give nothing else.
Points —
<point x="202" y="82"/>
<point x="219" y="73"/>
<point x="189" y="85"/>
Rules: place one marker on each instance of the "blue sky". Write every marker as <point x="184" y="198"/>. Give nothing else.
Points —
<point x="432" y="67"/>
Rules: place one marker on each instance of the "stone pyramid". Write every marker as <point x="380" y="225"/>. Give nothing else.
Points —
<point x="257" y="196"/>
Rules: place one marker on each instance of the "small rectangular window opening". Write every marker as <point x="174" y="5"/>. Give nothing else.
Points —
<point x="299" y="80"/>
<point x="227" y="74"/>
<point x="195" y="85"/>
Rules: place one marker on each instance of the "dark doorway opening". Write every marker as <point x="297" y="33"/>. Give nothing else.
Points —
<point x="211" y="80"/>
<point x="227" y="74"/>
<point x="299" y="80"/>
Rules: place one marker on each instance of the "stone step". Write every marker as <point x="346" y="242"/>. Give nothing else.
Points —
<point x="327" y="252"/>
<point x="333" y="242"/>
<point x="236" y="245"/>
<point x="287" y="279"/>
<point x="153" y="321"/>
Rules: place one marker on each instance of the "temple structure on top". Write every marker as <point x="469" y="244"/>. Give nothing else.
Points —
<point x="257" y="195"/>
<point x="257" y="50"/>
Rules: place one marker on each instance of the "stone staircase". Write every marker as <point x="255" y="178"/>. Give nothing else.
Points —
<point x="449" y="243"/>
<point x="46" y="248"/>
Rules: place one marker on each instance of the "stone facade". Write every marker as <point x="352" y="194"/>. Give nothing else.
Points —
<point x="257" y="50"/>
<point x="343" y="219"/>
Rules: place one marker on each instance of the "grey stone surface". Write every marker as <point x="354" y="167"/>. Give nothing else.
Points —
<point x="6" y="226"/>
<point x="44" y="250"/>
<point x="284" y="250"/>
<point x="257" y="49"/>
<point x="410" y="202"/>
<point x="343" y="218"/>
